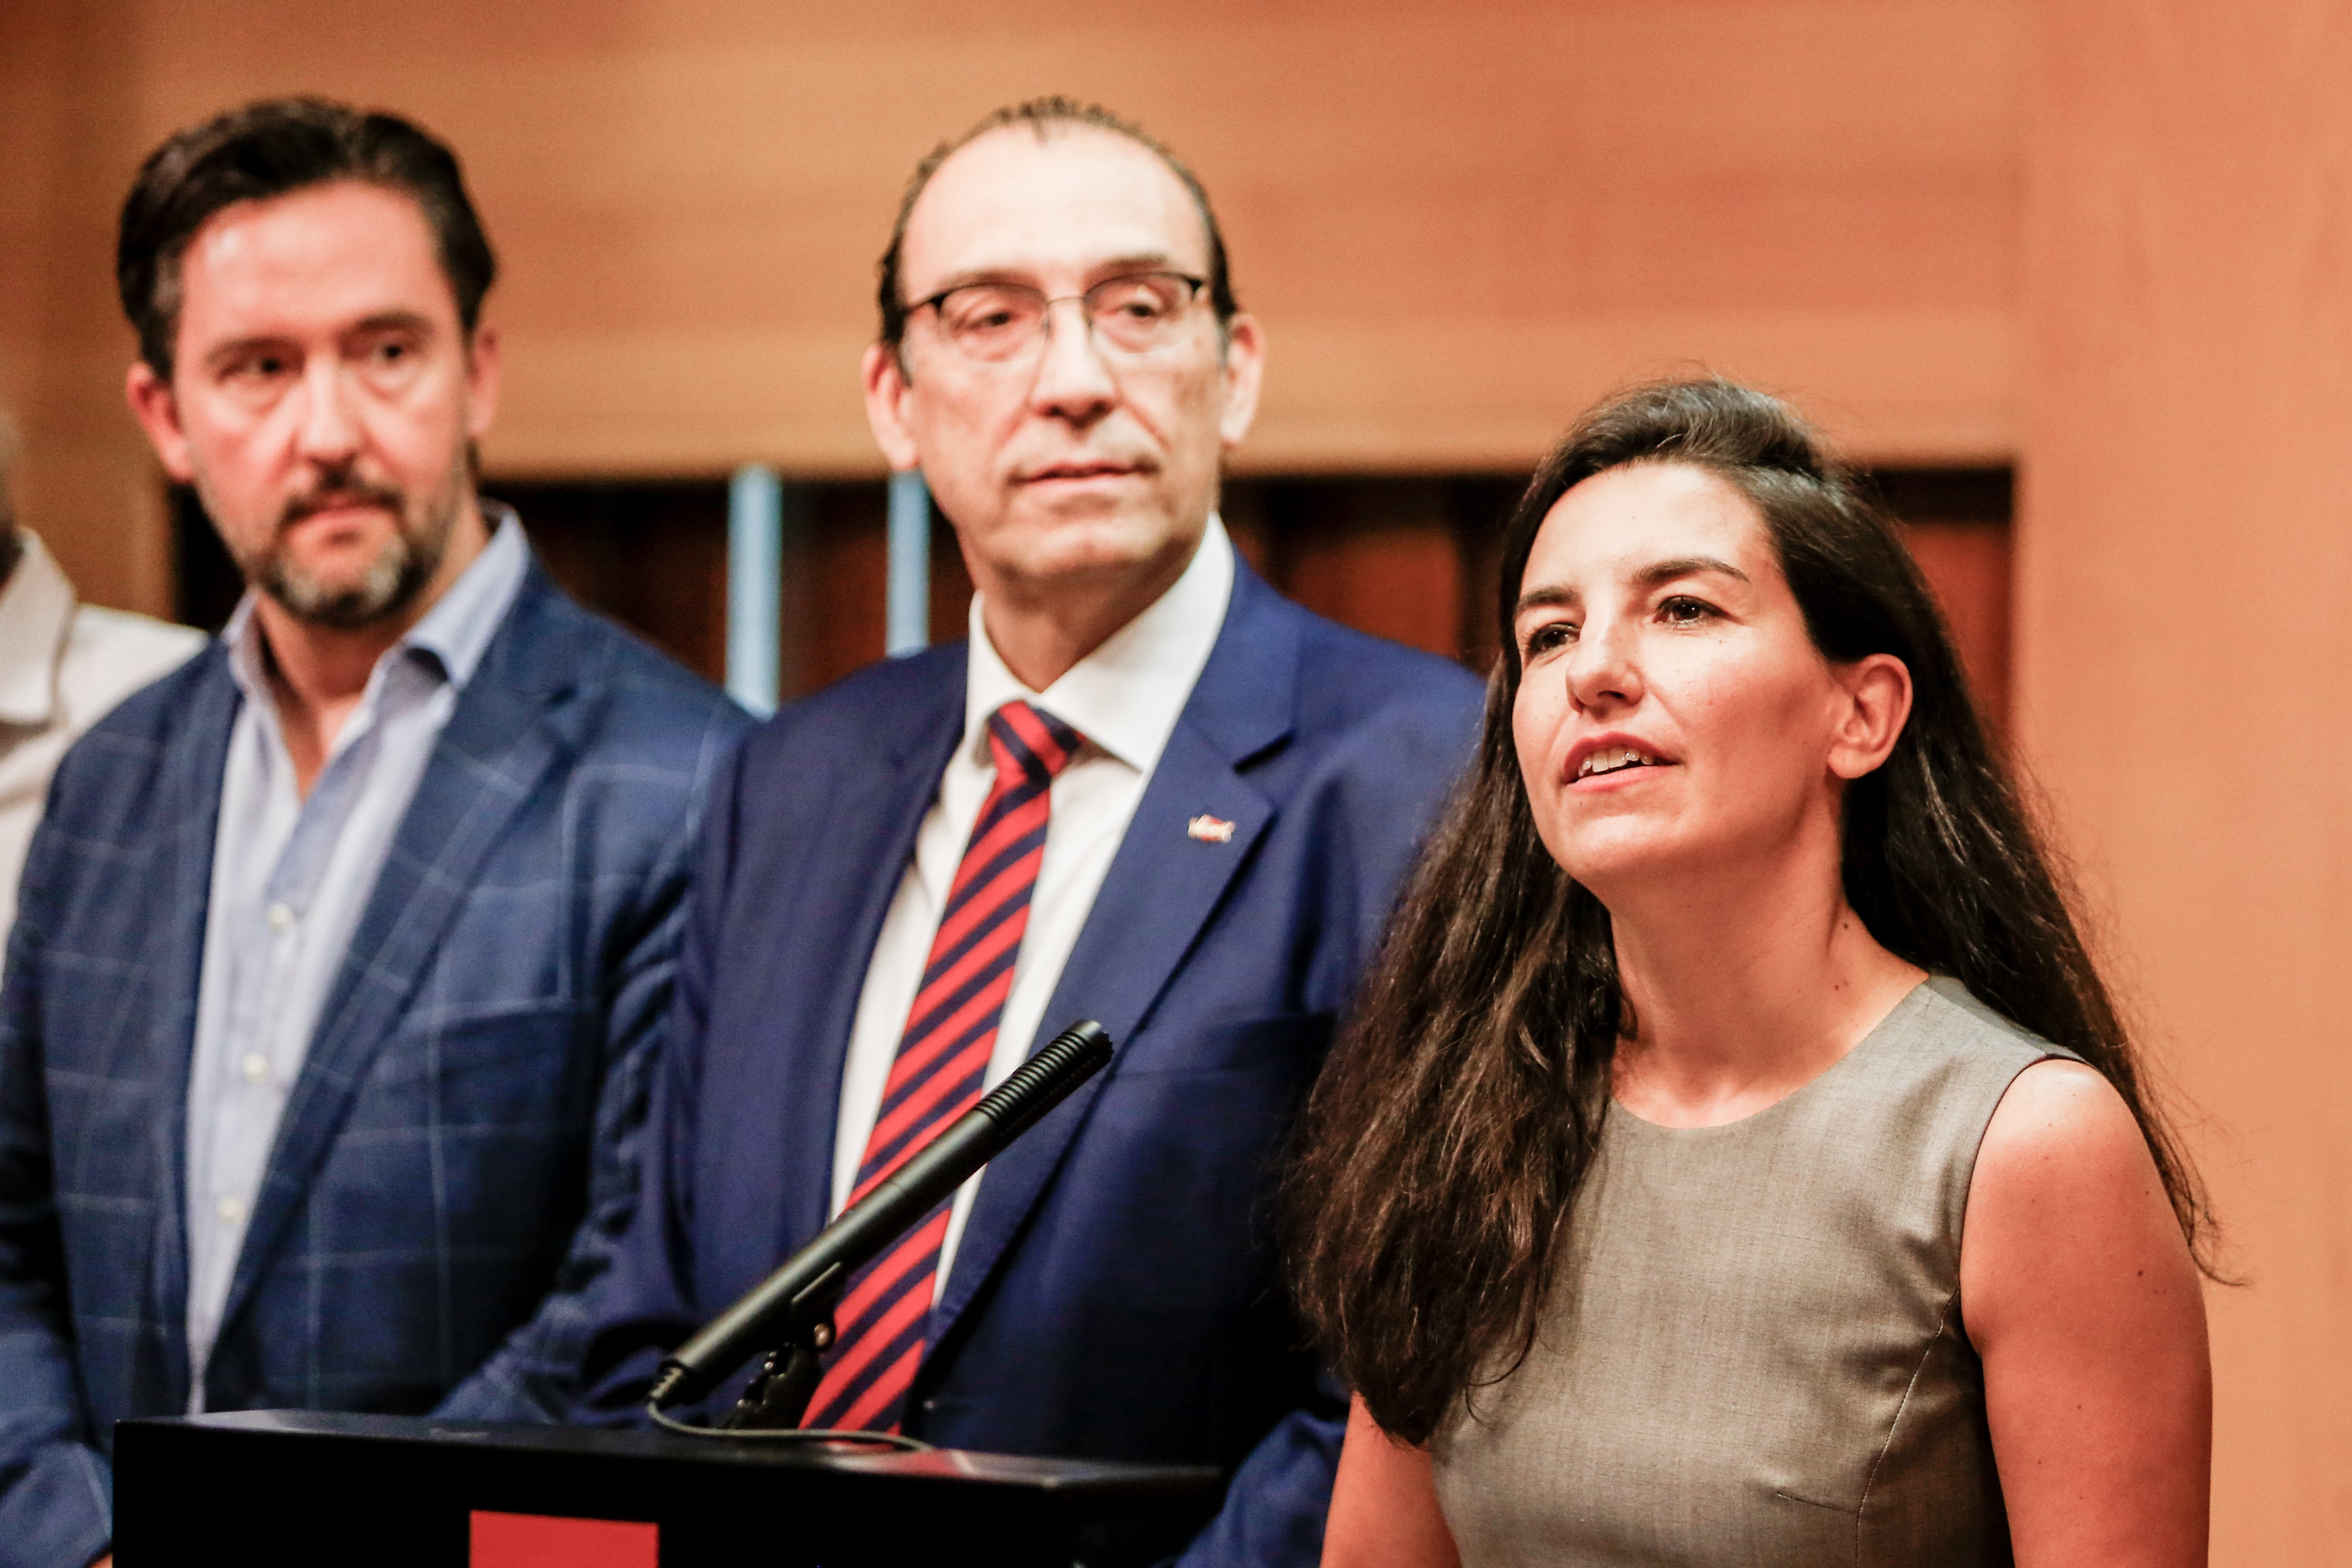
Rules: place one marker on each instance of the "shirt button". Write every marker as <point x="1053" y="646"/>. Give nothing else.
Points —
<point x="281" y="917"/>
<point x="231" y="1211"/>
<point x="254" y="1067"/>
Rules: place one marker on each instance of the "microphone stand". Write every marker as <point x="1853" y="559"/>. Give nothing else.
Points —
<point x="780" y="1392"/>
<point x="793" y="1309"/>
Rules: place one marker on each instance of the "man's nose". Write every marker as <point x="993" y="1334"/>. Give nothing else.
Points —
<point x="1074" y="379"/>
<point x="329" y="428"/>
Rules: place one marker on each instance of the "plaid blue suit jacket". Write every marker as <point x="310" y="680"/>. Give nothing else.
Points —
<point x="457" y="1159"/>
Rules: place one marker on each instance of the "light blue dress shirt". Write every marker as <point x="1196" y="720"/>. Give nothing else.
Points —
<point x="290" y="877"/>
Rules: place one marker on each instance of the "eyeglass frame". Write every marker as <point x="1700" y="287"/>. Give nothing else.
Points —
<point x="1199" y="286"/>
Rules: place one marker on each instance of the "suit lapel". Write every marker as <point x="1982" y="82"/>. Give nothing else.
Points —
<point x="190" y="796"/>
<point x="868" y="846"/>
<point x="1163" y="886"/>
<point x="505" y="736"/>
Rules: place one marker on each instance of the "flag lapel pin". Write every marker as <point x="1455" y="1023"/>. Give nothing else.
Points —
<point x="1210" y="829"/>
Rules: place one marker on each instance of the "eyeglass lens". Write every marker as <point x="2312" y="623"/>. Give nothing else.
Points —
<point x="994" y="321"/>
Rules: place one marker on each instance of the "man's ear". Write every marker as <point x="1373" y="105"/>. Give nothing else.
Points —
<point x="1245" y="369"/>
<point x="1877" y="704"/>
<point x="483" y="379"/>
<point x="157" y="409"/>
<point x="887" y="392"/>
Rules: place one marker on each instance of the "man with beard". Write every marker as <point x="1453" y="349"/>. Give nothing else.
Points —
<point x="321" y="1048"/>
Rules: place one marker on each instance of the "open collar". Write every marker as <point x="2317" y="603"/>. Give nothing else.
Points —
<point x="455" y="632"/>
<point x="1126" y="695"/>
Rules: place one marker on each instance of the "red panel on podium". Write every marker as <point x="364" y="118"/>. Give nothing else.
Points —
<point x="542" y="1540"/>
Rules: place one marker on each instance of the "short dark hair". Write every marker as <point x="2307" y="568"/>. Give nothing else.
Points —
<point x="1044" y="115"/>
<point x="271" y="148"/>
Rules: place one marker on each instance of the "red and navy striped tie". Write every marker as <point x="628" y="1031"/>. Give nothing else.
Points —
<point x="942" y="1066"/>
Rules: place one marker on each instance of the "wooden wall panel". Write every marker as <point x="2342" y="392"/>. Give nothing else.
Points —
<point x="1958" y="524"/>
<point x="1460" y="223"/>
<point x="847" y="552"/>
<point x="1379" y="555"/>
<point x="653" y="557"/>
<point x="2184" y="666"/>
<point x="68" y="144"/>
<point x="1968" y="565"/>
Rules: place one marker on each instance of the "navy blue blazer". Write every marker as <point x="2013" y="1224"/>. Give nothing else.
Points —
<point x="1115" y="1294"/>
<point x="457" y="1157"/>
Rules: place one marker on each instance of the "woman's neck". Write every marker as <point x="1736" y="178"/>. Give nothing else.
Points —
<point x="1743" y="988"/>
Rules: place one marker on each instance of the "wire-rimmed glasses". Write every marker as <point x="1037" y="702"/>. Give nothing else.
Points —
<point x="1134" y="313"/>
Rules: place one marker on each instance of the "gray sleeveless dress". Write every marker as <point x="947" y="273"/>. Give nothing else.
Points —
<point x="1755" y="1354"/>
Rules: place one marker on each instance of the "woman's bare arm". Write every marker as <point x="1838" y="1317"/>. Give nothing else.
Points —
<point x="1384" y="1504"/>
<point x="2079" y="1293"/>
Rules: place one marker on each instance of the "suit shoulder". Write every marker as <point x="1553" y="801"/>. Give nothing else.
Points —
<point x="644" y="685"/>
<point x="152" y="714"/>
<point x="870" y="710"/>
<point x="107" y="780"/>
<point x="1351" y="677"/>
<point x="110" y="653"/>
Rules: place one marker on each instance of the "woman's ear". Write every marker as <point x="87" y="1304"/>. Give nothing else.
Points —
<point x="1877" y="702"/>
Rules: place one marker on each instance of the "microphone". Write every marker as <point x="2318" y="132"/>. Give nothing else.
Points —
<point x="801" y="1293"/>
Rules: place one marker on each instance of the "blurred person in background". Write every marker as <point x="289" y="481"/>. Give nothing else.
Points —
<point x="62" y="665"/>
<point x="1739" y="1158"/>
<point x="326" y="1006"/>
<point x="1146" y="790"/>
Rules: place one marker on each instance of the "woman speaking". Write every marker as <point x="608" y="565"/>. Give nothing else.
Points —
<point x="1737" y="1158"/>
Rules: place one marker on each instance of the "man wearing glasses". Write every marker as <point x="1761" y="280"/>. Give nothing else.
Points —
<point x="1146" y="790"/>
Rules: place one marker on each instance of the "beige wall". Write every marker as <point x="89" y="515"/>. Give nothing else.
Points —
<point x="85" y="481"/>
<point x="1460" y="223"/>
<point x="2185" y="655"/>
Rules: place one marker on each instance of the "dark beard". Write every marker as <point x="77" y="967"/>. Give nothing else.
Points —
<point x="393" y="581"/>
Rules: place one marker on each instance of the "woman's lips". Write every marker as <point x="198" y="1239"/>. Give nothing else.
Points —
<point x="1618" y="779"/>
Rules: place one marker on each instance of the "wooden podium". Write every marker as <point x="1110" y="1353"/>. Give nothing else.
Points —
<point x="261" y="1489"/>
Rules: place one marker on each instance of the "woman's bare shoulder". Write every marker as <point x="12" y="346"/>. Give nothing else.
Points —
<point x="2059" y="1110"/>
<point x="2066" y="1203"/>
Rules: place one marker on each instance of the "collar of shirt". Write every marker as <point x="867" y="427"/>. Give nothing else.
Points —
<point x="35" y="611"/>
<point x="455" y="632"/>
<point x="1125" y="696"/>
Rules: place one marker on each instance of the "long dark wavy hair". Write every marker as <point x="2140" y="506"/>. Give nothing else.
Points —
<point x="1444" y="1141"/>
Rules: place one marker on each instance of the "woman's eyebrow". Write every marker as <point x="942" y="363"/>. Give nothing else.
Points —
<point x="1546" y="597"/>
<point x="1549" y="595"/>
<point x="1687" y="566"/>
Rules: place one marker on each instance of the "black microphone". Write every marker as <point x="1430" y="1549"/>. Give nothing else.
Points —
<point x="803" y="1290"/>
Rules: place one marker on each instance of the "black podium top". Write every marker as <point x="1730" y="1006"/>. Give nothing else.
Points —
<point x="265" y="1487"/>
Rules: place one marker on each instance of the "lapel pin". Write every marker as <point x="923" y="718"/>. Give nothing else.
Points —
<point x="1210" y="829"/>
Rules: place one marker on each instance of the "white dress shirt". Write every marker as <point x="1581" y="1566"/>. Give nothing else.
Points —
<point x="63" y="666"/>
<point x="290" y="876"/>
<point x="1125" y="698"/>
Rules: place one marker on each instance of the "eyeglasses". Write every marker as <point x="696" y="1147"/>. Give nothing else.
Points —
<point x="997" y="322"/>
